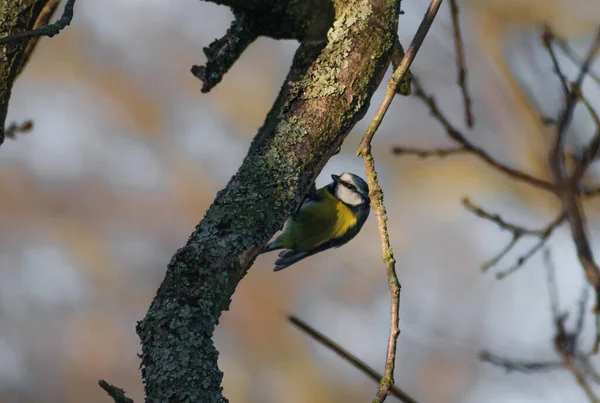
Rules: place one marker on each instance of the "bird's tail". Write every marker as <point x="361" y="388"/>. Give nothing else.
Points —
<point x="288" y="258"/>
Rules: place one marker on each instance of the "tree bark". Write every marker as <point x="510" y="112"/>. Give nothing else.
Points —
<point x="15" y="16"/>
<point x="327" y="91"/>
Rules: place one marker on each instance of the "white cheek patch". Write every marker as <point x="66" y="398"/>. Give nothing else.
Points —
<point x="348" y="196"/>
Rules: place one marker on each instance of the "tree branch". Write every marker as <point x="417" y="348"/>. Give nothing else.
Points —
<point x="567" y="186"/>
<point x="117" y="394"/>
<point x="326" y="92"/>
<point x="353" y="360"/>
<point x="462" y="140"/>
<point x="376" y="195"/>
<point x="460" y="62"/>
<point x="48" y="30"/>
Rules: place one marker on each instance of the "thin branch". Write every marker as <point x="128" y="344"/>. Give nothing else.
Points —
<point x="460" y="138"/>
<point x="495" y="218"/>
<point x="575" y="58"/>
<point x="580" y="377"/>
<point x="547" y="39"/>
<point x="460" y="62"/>
<point x="376" y="196"/>
<point x="593" y="147"/>
<point x="117" y="394"/>
<point x="503" y="252"/>
<point x="568" y="189"/>
<point x="356" y="362"/>
<point x="223" y="52"/>
<point x="421" y="153"/>
<point x="552" y="287"/>
<point x="48" y="30"/>
<point x="544" y="236"/>
<point x="517" y="366"/>
<point x="517" y="231"/>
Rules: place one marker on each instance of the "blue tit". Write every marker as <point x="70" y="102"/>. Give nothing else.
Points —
<point x="328" y="218"/>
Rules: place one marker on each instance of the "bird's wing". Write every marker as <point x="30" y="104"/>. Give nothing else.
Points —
<point x="309" y="198"/>
<point x="314" y="222"/>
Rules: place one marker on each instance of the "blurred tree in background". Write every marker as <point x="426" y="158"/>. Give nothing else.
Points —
<point x="125" y="154"/>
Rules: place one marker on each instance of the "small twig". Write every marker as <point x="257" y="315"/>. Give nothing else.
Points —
<point x="421" y="153"/>
<point x="460" y="62"/>
<point x="495" y="218"/>
<point x="517" y="231"/>
<point x="460" y="138"/>
<point x="117" y="394"/>
<point x="356" y="363"/>
<point x="376" y="196"/>
<point x="48" y="30"/>
<point x="552" y="287"/>
<point x="575" y="58"/>
<point x="580" y="377"/>
<point x="544" y="235"/>
<point x="223" y="52"/>
<point x="14" y="128"/>
<point x="547" y="39"/>
<point x="503" y="252"/>
<point x="510" y="365"/>
<point x="593" y="147"/>
<point x="581" y="312"/>
<point x="568" y="189"/>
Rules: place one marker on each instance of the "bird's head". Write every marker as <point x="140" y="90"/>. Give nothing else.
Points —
<point x="351" y="189"/>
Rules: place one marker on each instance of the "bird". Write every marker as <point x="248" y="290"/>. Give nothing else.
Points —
<point x="327" y="218"/>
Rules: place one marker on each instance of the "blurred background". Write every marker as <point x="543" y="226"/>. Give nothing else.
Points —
<point x="126" y="155"/>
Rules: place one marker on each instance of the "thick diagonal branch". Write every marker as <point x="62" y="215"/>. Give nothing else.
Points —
<point x="327" y="91"/>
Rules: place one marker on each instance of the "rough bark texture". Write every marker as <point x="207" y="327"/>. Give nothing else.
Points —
<point x="15" y="16"/>
<point x="327" y="91"/>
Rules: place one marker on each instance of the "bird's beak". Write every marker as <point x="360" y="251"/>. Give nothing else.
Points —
<point x="335" y="178"/>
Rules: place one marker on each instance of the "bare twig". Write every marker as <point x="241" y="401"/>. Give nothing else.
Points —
<point x="460" y="62"/>
<point x="568" y="188"/>
<point x="547" y="39"/>
<point x="571" y="54"/>
<point x="376" y="196"/>
<point x="544" y="235"/>
<point x="421" y="153"/>
<point x="565" y="342"/>
<point x="581" y="379"/>
<point x="117" y="394"/>
<point x="356" y="363"/>
<point x="47" y="30"/>
<point x="495" y="218"/>
<point x="518" y="232"/>
<point x="460" y="138"/>
<point x="223" y="52"/>
<point x="517" y="366"/>
<point x="552" y="287"/>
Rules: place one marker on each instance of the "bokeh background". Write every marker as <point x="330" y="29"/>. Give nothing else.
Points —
<point x="127" y="154"/>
